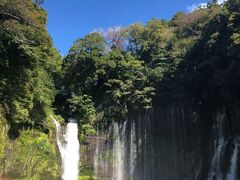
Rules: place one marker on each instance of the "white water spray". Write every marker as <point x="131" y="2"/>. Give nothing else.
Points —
<point x="215" y="171"/>
<point x="219" y="147"/>
<point x="69" y="149"/>
<point x="96" y="155"/>
<point x="133" y="151"/>
<point x="232" y="175"/>
<point x="118" y="152"/>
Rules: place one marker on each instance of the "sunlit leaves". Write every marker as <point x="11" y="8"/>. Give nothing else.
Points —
<point x="29" y="64"/>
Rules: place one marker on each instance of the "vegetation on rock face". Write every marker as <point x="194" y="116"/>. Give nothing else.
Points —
<point x="208" y="71"/>
<point x="3" y="136"/>
<point x="29" y="64"/>
<point x="31" y="156"/>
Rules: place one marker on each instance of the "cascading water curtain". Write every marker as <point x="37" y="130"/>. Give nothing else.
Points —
<point x="69" y="150"/>
<point x="97" y="155"/>
<point x="119" y="151"/>
<point x="133" y="150"/>
<point x="232" y="174"/>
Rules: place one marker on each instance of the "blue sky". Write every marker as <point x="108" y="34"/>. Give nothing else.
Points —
<point x="72" y="19"/>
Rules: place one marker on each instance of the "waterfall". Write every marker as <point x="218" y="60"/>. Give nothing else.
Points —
<point x="215" y="171"/>
<point x="58" y="136"/>
<point x="133" y="150"/>
<point x="232" y="175"/>
<point x="102" y="159"/>
<point x="71" y="156"/>
<point x="116" y="160"/>
<point x="96" y="156"/>
<point x="119" y="151"/>
<point x="219" y="146"/>
<point x="69" y="150"/>
<point x="198" y="170"/>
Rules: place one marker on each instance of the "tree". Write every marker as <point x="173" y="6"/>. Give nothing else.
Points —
<point x="28" y="64"/>
<point x="84" y="64"/>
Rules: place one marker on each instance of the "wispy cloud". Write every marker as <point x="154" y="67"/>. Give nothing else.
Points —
<point x="104" y="32"/>
<point x="111" y="35"/>
<point x="221" y="1"/>
<point x="194" y="7"/>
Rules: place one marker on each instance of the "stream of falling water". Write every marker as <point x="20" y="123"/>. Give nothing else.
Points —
<point x="219" y="147"/>
<point x="118" y="152"/>
<point x="118" y="167"/>
<point x="133" y="150"/>
<point x="215" y="171"/>
<point x="96" y="155"/>
<point x="232" y="175"/>
<point x="69" y="150"/>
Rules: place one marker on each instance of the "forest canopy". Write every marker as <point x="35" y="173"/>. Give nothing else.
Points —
<point x="108" y="75"/>
<point x="131" y="69"/>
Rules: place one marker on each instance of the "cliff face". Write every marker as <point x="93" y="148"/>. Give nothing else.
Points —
<point x="175" y="142"/>
<point x="31" y="156"/>
<point x="183" y="142"/>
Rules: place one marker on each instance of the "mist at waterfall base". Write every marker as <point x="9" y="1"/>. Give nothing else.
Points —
<point x="68" y="145"/>
<point x="175" y="143"/>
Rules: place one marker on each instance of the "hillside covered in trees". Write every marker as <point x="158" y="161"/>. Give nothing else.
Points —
<point x="29" y="66"/>
<point x="193" y="57"/>
<point x="107" y="77"/>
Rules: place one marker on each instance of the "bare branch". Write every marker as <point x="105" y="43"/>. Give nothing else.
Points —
<point x="11" y="15"/>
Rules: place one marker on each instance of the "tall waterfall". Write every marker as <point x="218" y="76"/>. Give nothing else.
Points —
<point x="171" y="144"/>
<point x="219" y="147"/>
<point x="232" y="175"/>
<point x="96" y="155"/>
<point x="69" y="149"/>
<point x="118" y="151"/>
<point x="215" y="171"/>
<point x="116" y="159"/>
<point x="133" y="150"/>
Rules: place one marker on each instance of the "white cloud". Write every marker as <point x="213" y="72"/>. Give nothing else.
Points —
<point x="194" y="7"/>
<point x="109" y="35"/>
<point x="110" y="32"/>
<point x="221" y="1"/>
<point x="104" y="32"/>
<point x="98" y="30"/>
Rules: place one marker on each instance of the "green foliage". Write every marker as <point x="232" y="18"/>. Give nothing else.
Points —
<point x="29" y="65"/>
<point x="128" y="88"/>
<point x="38" y="2"/>
<point x="151" y="42"/>
<point x="90" y="46"/>
<point x="86" y="178"/>
<point x="115" y="81"/>
<point x="86" y="170"/>
<point x="208" y="71"/>
<point x="83" y="107"/>
<point x="3" y="134"/>
<point x="124" y="80"/>
<point x="84" y="64"/>
<point x="104" y="79"/>
<point x="31" y="156"/>
<point x="184" y="57"/>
